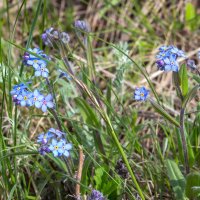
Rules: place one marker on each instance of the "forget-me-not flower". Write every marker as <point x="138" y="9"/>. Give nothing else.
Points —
<point x="17" y="89"/>
<point x="37" y="97"/>
<point x="58" y="133"/>
<point x="44" y="137"/>
<point x="41" y="70"/>
<point x="32" y="60"/>
<point x="45" y="102"/>
<point x="141" y="94"/>
<point x="65" y="147"/>
<point x="56" y="147"/>
<point x="25" y="98"/>
<point x="170" y="64"/>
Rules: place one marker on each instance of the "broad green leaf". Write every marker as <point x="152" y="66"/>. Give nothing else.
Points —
<point x="176" y="178"/>
<point x="192" y="189"/>
<point x="161" y="111"/>
<point x="190" y="11"/>
<point x="191" y="16"/>
<point x="184" y="79"/>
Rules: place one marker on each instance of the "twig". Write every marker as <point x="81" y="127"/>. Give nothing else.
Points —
<point x="79" y="173"/>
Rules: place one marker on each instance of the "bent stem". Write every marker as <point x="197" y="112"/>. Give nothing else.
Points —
<point x="121" y="151"/>
<point x="184" y="143"/>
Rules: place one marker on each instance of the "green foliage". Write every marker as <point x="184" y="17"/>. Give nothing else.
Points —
<point x="192" y="189"/>
<point x="176" y="179"/>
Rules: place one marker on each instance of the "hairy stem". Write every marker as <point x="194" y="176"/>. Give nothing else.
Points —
<point x="184" y="143"/>
<point x="79" y="173"/>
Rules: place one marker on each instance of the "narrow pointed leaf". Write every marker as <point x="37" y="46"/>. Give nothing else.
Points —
<point x="161" y="111"/>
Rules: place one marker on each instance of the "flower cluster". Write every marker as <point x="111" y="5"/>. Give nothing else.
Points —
<point x="96" y="195"/>
<point x="37" y="62"/>
<point x="53" y="141"/>
<point x="167" y="58"/>
<point x="52" y="35"/>
<point x="22" y="96"/>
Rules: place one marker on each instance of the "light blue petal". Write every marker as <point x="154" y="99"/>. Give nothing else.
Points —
<point x="37" y="73"/>
<point x="49" y="97"/>
<point x="45" y="74"/>
<point x="40" y="97"/>
<point x="66" y="153"/>
<point x="68" y="146"/>
<point x="50" y="104"/>
<point x="38" y="104"/>
<point x="23" y="103"/>
<point x="44" y="108"/>
<point x="55" y="153"/>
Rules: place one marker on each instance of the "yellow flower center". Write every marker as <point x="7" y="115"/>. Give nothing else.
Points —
<point x="35" y="98"/>
<point x="35" y="61"/>
<point x="25" y="97"/>
<point x="56" y="147"/>
<point x="142" y="94"/>
<point x="18" y="88"/>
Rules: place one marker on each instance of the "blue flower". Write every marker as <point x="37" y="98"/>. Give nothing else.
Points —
<point x="25" y="98"/>
<point x="170" y="64"/>
<point x="64" y="37"/>
<point x="82" y="25"/>
<point x="32" y="60"/>
<point x="96" y="195"/>
<point x="177" y="52"/>
<point x="45" y="102"/>
<point x="64" y="74"/>
<point x="163" y="54"/>
<point x="46" y="36"/>
<point x="17" y="89"/>
<point x="141" y="94"/>
<point x="56" y="147"/>
<point x="44" y="137"/>
<point x="37" y="97"/>
<point x="65" y="147"/>
<point x="41" y="70"/>
<point x="58" y="133"/>
<point x="44" y="149"/>
<point x="191" y="64"/>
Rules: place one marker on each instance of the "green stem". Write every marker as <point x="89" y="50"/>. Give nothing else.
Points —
<point x="184" y="143"/>
<point x="124" y="156"/>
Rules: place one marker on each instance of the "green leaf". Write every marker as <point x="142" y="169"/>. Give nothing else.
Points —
<point x="98" y="177"/>
<point x="191" y="16"/>
<point x="184" y="79"/>
<point x="84" y="178"/>
<point x="192" y="189"/>
<point x="87" y="113"/>
<point x="190" y="11"/>
<point x="161" y="111"/>
<point x="177" y="84"/>
<point x="176" y="178"/>
<point x="190" y="95"/>
<point x="196" y="78"/>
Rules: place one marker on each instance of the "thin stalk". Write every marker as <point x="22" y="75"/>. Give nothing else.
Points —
<point x="184" y="143"/>
<point x="121" y="151"/>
